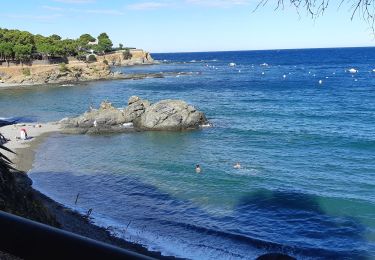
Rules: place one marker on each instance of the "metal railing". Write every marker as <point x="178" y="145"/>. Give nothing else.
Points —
<point x="32" y="240"/>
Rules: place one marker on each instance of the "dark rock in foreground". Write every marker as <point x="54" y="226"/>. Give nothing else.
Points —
<point x="165" y="115"/>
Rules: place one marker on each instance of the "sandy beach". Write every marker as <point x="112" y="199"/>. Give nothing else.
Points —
<point x="25" y="149"/>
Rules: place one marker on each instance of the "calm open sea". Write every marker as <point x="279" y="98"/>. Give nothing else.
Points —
<point x="302" y="126"/>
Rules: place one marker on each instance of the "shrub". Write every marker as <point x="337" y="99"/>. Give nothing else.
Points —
<point x="91" y="58"/>
<point x="105" y="62"/>
<point x="63" y="67"/>
<point x="26" y="72"/>
<point x="127" y="55"/>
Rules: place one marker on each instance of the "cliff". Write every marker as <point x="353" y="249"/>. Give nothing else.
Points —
<point x="136" y="57"/>
<point x="41" y="74"/>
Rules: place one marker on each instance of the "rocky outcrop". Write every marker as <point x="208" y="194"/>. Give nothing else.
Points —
<point x="73" y="72"/>
<point x="136" y="57"/>
<point x="165" y="115"/>
<point x="170" y="115"/>
<point x="105" y="119"/>
<point x="136" y="108"/>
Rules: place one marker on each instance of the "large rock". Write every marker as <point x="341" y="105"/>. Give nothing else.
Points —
<point x="170" y="115"/>
<point x="136" y="107"/>
<point x="105" y="119"/>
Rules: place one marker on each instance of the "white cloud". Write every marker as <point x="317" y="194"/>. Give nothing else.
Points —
<point x="32" y="17"/>
<point x="86" y="11"/>
<point x="52" y="8"/>
<point x="102" y="11"/>
<point x="148" y="5"/>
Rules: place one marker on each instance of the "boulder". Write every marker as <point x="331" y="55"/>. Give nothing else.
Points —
<point x="136" y="107"/>
<point x="104" y="119"/>
<point x="170" y="115"/>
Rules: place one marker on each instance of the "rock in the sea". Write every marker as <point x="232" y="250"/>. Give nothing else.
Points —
<point x="165" y="115"/>
<point x="170" y="115"/>
<point x="136" y="107"/>
<point x="104" y="119"/>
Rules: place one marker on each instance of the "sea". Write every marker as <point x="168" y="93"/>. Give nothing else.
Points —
<point x="300" y="122"/>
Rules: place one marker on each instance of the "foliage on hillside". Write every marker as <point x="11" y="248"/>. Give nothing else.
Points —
<point x="23" y="46"/>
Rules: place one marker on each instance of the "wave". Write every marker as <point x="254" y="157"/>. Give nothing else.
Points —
<point x="217" y="238"/>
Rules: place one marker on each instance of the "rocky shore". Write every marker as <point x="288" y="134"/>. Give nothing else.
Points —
<point x="75" y="71"/>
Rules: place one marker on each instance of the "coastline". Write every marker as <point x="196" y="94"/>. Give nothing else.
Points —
<point x="68" y="219"/>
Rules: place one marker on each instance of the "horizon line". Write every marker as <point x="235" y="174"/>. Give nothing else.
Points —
<point x="281" y="49"/>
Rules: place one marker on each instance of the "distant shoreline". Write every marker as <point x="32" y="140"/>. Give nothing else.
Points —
<point x="74" y="71"/>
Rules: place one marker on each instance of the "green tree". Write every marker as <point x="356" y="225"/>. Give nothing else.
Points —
<point x="120" y="46"/>
<point x="84" y="39"/>
<point x="104" y="43"/>
<point x="55" y="37"/>
<point x="6" y="51"/>
<point x="22" y="53"/>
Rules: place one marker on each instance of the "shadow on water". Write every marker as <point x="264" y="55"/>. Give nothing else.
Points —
<point x="297" y="220"/>
<point x="272" y="221"/>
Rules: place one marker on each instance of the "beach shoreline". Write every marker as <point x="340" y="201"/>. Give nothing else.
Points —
<point x="69" y="220"/>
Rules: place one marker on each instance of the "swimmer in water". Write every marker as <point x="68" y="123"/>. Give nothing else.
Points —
<point x="198" y="169"/>
<point x="237" y="166"/>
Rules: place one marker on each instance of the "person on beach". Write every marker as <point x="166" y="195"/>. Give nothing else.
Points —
<point x="237" y="166"/>
<point x="23" y="134"/>
<point x="198" y="169"/>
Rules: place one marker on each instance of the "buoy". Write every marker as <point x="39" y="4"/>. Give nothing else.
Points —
<point x="320" y="81"/>
<point x="284" y="76"/>
<point x="353" y="70"/>
<point x="232" y="64"/>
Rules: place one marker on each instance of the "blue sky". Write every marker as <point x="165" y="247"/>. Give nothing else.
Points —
<point x="189" y="25"/>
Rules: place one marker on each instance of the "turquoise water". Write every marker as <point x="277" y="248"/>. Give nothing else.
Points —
<point x="307" y="150"/>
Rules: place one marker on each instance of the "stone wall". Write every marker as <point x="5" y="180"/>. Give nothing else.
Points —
<point x="34" y="62"/>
